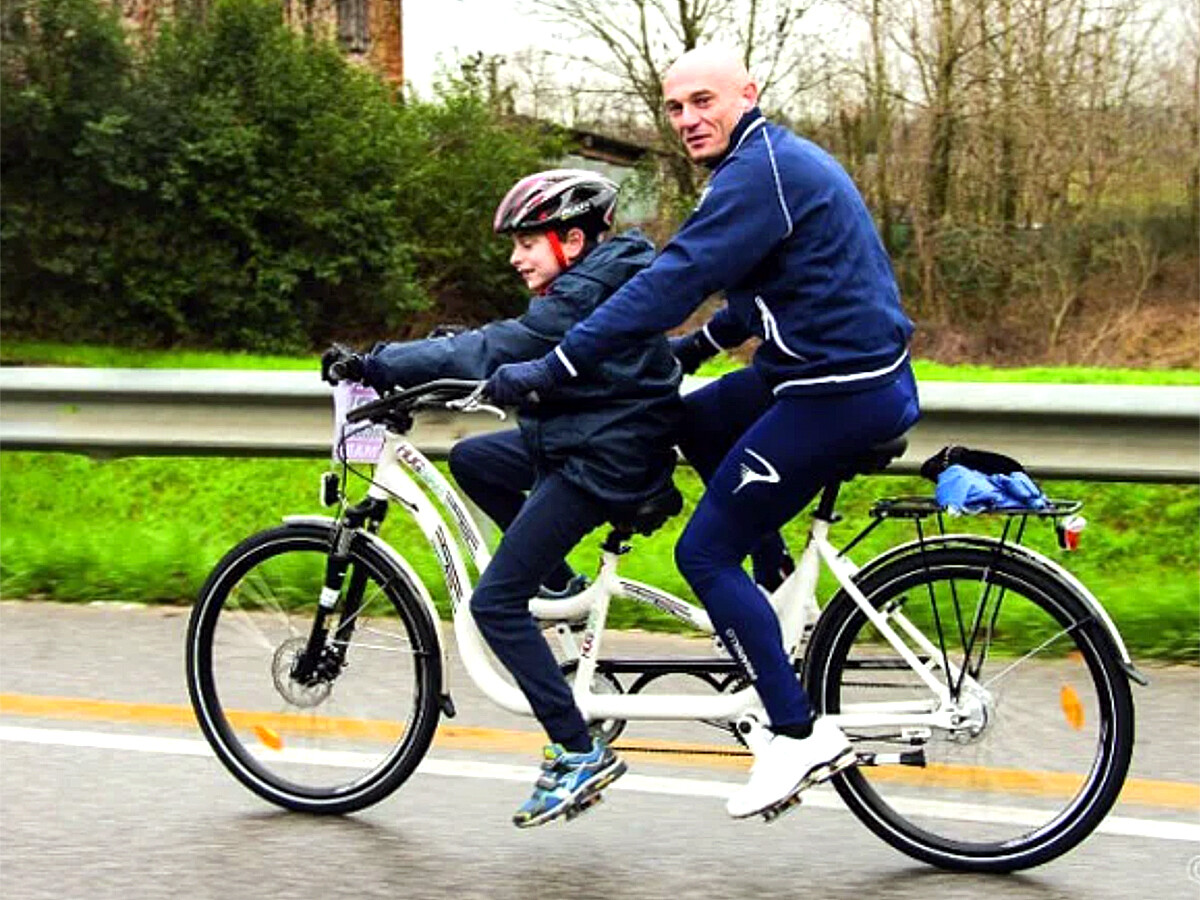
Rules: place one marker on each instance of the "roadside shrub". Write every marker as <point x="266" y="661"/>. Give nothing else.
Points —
<point x="232" y="184"/>
<point x="987" y="273"/>
<point x="451" y="192"/>
<point x="63" y="65"/>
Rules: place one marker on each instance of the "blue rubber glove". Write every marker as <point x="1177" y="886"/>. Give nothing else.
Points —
<point x="513" y="383"/>
<point x="1021" y="490"/>
<point x="962" y="490"/>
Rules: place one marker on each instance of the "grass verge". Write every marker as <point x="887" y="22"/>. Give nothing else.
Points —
<point x="149" y="530"/>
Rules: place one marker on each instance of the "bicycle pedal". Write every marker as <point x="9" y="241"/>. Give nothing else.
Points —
<point x="773" y="813"/>
<point x="846" y="761"/>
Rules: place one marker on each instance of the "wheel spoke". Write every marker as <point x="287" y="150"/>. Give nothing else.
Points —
<point x="1032" y="653"/>
<point x="262" y="596"/>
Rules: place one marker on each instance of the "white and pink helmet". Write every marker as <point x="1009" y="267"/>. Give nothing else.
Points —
<point x="558" y="198"/>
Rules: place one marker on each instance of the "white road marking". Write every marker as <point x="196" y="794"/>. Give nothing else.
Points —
<point x="1122" y="826"/>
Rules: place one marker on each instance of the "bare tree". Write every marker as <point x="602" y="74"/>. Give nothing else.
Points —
<point x="627" y="45"/>
<point x="1018" y="138"/>
<point x="879" y="103"/>
<point x="1190" y="63"/>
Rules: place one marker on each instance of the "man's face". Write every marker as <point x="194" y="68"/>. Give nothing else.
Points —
<point x="703" y="107"/>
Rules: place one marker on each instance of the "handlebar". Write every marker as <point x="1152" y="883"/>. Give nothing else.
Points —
<point x="455" y="393"/>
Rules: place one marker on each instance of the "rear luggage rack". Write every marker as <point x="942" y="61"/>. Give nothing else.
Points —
<point x="918" y="508"/>
<point x="923" y="507"/>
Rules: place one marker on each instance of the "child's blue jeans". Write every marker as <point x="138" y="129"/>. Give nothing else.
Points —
<point x="539" y="531"/>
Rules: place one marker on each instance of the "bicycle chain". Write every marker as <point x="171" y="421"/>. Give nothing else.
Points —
<point x="680" y="751"/>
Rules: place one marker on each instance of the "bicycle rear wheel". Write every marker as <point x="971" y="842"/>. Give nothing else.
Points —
<point x="1045" y="741"/>
<point x="336" y="741"/>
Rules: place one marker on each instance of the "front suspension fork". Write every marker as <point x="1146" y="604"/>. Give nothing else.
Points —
<point x="317" y="664"/>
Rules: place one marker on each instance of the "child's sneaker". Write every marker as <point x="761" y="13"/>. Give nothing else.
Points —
<point x="569" y="783"/>
<point x="785" y="766"/>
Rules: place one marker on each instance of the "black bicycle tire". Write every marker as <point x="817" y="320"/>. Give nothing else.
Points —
<point x="206" y="705"/>
<point x="842" y="617"/>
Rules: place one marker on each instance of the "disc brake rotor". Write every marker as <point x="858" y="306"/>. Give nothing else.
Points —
<point x="295" y="693"/>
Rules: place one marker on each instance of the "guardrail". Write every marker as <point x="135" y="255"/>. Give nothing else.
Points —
<point x="1092" y="432"/>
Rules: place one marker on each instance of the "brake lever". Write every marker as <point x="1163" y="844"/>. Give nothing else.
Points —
<point x="473" y="402"/>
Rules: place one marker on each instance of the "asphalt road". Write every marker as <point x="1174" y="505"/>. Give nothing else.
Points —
<point x="99" y="805"/>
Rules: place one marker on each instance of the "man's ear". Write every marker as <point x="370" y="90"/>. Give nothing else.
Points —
<point x="749" y="96"/>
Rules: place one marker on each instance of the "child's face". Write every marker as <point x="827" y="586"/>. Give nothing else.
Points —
<point x="533" y="258"/>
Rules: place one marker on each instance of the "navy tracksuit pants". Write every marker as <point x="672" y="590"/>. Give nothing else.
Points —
<point x="495" y="471"/>
<point x="763" y="459"/>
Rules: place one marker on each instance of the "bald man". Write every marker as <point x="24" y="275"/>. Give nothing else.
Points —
<point x="783" y="232"/>
<point x="707" y="92"/>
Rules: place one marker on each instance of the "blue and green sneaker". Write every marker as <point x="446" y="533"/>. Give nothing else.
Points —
<point x="569" y="783"/>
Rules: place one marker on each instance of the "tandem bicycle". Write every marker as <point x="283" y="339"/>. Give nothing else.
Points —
<point x="985" y="690"/>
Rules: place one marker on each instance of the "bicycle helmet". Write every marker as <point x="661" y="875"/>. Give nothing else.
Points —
<point x="558" y="199"/>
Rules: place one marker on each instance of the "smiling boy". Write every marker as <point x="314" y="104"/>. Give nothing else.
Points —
<point x="598" y="446"/>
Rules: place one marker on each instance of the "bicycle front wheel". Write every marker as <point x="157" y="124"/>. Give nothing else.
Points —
<point x="1044" y="732"/>
<point x="331" y="741"/>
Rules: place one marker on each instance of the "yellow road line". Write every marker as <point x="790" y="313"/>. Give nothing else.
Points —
<point x="1139" y="791"/>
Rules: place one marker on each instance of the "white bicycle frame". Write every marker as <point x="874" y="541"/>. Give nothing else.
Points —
<point x="794" y="602"/>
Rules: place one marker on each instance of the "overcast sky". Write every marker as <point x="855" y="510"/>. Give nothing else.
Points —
<point x="445" y="26"/>
<point x="459" y="27"/>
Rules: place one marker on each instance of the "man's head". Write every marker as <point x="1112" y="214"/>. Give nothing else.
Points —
<point x="707" y="90"/>
<point x="554" y="217"/>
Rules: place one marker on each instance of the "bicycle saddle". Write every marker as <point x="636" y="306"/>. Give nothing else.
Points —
<point x="649" y="515"/>
<point x="875" y="459"/>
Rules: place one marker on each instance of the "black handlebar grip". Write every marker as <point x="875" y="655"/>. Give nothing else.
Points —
<point x="367" y="410"/>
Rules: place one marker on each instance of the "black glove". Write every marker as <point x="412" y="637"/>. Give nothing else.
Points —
<point x="516" y="383"/>
<point x="984" y="461"/>
<point x="340" y="363"/>
<point x="691" y="350"/>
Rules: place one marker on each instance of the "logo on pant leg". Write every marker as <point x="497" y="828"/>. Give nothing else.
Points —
<point x="739" y="653"/>
<point x="749" y="475"/>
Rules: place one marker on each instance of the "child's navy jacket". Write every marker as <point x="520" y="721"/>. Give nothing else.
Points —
<point x="610" y="432"/>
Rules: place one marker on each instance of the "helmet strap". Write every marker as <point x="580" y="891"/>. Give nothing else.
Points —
<point x="556" y="246"/>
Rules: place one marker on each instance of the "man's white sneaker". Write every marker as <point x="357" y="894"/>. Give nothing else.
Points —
<point x="785" y="766"/>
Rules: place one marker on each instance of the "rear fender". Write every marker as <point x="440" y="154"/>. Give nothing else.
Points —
<point x="1089" y="600"/>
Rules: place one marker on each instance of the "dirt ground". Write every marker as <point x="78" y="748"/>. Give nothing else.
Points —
<point x="1104" y="327"/>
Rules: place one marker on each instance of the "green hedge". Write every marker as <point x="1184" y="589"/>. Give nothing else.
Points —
<point x="231" y="183"/>
<point x="989" y="272"/>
